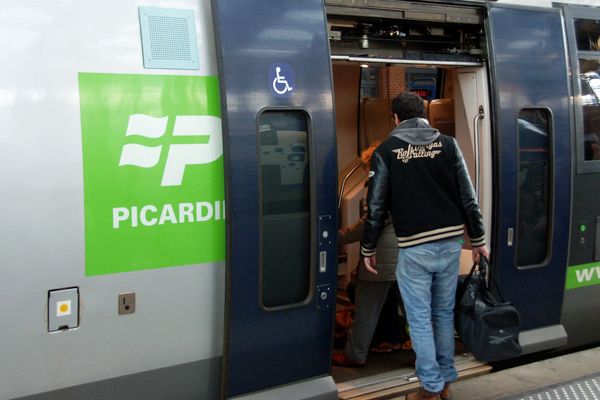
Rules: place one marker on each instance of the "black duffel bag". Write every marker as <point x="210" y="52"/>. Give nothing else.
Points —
<point x="488" y="328"/>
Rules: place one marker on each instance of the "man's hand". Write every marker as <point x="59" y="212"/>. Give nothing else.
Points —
<point x="370" y="263"/>
<point x="480" y="251"/>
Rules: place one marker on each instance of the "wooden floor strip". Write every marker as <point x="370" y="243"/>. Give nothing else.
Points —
<point x="395" y="383"/>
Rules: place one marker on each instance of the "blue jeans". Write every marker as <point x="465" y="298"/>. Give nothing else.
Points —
<point x="427" y="277"/>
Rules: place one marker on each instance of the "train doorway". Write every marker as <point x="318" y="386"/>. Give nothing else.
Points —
<point x="506" y="133"/>
<point x="363" y="92"/>
<point x="373" y="60"/>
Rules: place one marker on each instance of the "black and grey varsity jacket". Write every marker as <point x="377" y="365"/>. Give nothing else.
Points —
<point x="419" y="176"/>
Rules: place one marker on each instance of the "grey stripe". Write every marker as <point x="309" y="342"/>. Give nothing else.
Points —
<point x="196" y="380"/>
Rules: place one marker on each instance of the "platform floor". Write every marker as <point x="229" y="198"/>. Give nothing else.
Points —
<point x="571" y="376"/>
<point x="584" y="388"/>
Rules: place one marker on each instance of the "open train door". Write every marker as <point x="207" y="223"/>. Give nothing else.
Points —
<point x="281" y="179"/>
<point x="532" y="199"/>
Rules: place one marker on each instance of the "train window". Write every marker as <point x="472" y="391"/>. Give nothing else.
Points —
<point x="534" y="186"/>
<point x="369" y="81"/>
<point x="589" y="77"/>
<point x="587" y="34"/>
<point x="285" y="208"/>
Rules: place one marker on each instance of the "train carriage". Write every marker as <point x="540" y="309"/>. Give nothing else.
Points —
<point x="174" y="174"/>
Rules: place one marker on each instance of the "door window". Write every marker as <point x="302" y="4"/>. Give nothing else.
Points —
<point x="534" y="186"/>
<point x="285" y="208"/>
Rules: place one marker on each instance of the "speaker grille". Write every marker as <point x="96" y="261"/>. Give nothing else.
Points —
<point x="168" y="38"/>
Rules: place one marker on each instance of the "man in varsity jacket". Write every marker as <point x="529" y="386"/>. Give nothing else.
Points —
<point x="419" y="177"/>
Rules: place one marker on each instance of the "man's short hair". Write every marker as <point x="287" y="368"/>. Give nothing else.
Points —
<point x="408" y="105"/>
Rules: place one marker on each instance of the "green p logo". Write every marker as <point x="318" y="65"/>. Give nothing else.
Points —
<point x="153" y="171"/>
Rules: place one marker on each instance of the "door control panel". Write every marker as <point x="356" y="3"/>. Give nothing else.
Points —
<point x="325" y="297"/>
<point x="326" y="234"/>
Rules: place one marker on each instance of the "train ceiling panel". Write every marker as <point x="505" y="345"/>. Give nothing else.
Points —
<point x="405" y="30"/>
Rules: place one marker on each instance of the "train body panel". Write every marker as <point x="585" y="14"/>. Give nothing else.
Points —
<point x="579" y="314"/>
<point x="159" y="160"/>
<point x="56" y="54"/>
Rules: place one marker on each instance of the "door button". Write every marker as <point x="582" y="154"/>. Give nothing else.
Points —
<point x="324" y="298"/>
<point x="63" y="309"/>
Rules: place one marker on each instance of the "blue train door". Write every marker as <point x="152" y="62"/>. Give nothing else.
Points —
<point x="532" y="143"/>
<point x="281" y="179"/>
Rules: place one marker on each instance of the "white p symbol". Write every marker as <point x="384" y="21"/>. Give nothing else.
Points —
<point x="181" y="155"/>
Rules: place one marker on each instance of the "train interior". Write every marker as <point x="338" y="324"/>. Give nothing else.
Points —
<point x="373" y="60"/>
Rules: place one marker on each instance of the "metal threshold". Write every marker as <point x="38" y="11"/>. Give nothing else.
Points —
<point x="400" y="381"/>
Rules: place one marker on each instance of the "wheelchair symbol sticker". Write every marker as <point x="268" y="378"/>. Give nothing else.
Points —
<point x="281" y="79"/>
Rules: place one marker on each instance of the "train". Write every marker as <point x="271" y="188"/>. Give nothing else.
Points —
<point x="173" y="175"/>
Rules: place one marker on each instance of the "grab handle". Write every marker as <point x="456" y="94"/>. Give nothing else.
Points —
<point x="480" y="115"/>
<point x="344" y="184"/>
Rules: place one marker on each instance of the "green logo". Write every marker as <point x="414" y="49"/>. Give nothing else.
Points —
<point x="583" y="275"/>
<point x="153" y="171"/>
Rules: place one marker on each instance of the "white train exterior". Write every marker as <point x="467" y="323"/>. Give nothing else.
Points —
<point x="169" y="175"/>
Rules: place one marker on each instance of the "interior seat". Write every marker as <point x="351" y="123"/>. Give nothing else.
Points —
<point x="441" y="115"/>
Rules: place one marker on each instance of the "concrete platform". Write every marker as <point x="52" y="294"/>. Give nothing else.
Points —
<point x="534" y="381"/>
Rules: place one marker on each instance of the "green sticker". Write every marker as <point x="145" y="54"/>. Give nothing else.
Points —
<point x="153" y="171"/>
<point x="583" y="275"/>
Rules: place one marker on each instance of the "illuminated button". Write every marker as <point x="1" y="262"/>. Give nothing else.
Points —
<point x="63" y="308"/>
<point x="325" y="234"/>
<point x="582" y="228"/>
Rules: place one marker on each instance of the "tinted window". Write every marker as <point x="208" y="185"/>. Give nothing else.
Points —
<point x="534" y="186"/>
<point x="589" y="75"/>
<point x="285" y="202"/>
<point x="587" y="34"/>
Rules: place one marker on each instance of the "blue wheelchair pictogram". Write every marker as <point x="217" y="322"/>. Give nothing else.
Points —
<point x="281" y="79"/>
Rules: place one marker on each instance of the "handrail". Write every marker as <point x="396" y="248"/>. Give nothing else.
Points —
<point x="375" y="60"/>
<point x="480" y="115"/>
<point x="357" y="166"/>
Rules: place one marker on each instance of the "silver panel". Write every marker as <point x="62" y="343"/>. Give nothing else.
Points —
<point x="315" y="389"/>
<point x="45" y="45"/>
<point x="197" y="380"/>
<point x="549" y="337"/>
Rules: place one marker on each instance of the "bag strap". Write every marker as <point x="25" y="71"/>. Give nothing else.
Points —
<point x="463" y="287"/>
<point x="484" y="264"/>
<point x="492" y="280"/>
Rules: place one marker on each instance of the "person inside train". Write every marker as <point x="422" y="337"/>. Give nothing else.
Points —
<point x="372" y="294"/>
<point x="419" y="177"/>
